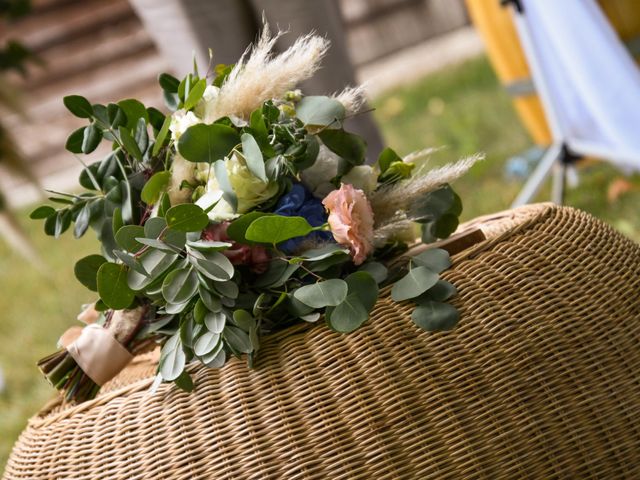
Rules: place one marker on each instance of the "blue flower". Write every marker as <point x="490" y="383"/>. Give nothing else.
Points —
<point x="300" y="202"/>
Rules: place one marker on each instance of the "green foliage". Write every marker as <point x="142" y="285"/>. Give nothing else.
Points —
<point x="414" y="283"/>
<point x="327" y="293"/>
<point x="154" y="187"/>
<point x="320" y="111"/>
<point x="112" y="286"/>
<point x="186" y="217"/>
<point x="208" y="143"/>
<point x="275" y="229"/>
<point x="86" y="270"/>
<point x="434" y="316"/>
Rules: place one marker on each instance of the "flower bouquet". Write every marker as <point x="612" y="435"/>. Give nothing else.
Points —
<point x="248" y="209"/>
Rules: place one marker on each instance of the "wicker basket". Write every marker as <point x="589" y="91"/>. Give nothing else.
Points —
<point x="540" y="380"/>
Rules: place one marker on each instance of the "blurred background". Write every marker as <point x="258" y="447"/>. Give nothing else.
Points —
<point x="428" y="77"/>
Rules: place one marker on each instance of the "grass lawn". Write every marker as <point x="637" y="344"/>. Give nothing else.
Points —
<point x="462" y="108"/>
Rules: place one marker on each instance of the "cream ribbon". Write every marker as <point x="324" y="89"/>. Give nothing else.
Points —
<point x="99" y="354"/>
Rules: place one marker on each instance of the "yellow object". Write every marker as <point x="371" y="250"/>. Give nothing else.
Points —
<point x="495" y="25"/>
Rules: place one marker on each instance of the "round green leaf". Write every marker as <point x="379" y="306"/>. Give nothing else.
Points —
<point x="78" y="105"/>
<point x="186" y="217"/>
<point x="180" y="285"/>
<point x="126" y="237"/>
<point x="348" y="315"/>
<point x="134" y="110"/>
<point x="377" y="270"/>
<point x="86" y="271"/>
<point x="434" y="316"/>
<point x="440" y="292"/>
<point x="417" y="281"/>
<point x="238" y="228"/>
<point x="436" y="259"/>
<point x="322" y="294"/>
<point x="277" y="228"/>
<point x="207" y="143"/>
<point x="320" y="111"/>
<point x="364" y="286"/>
<point x="113" y="287"/>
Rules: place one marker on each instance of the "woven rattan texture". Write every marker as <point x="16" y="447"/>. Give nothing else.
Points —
<point x="540" y="380"/>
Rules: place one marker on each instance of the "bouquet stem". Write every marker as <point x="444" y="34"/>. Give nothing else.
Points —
<point x="64" y="373"/>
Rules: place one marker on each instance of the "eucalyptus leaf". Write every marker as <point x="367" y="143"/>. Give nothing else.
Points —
<point x="349" y="315"/>
<point x="180" y="285"/>
<point x="172" y="358"/>
<point x="244" y="320"/>
<point x="161" y="137"/>
<point x="113" y="287"/>
<point x="215" y="321"/>
<point x="238" y="228"/>
<point x="78" y="105"/>
<point x="275" y="229"/>
<point x="206" y="343"/>
<point x="187" y="217"/>
<point x="126" y="237"/>
<point x="129" y="143"/>
<point x="215" y="361"/>
<point x="43" y="211"/>
<point x="134" y="110"/>
<point x="86" y="270"/>
<point x="207" y="143"/>
<point x="195" y="94"/>
<point x="227" y="289"/>
<point x="208" y="245"/>
<point x="237" y="339"/>
<point x="377" y="270"/>
<point x="213" y="265"/>
<point x="322" y="294"/>
<point x="434" y="316"/>
<point x="82" y="221"/>
<point x="211" y="301"/>
<point x="440" y="292"/>
<point x="222" y="177"/>
<point x="320" y="111"/>
<point x="91" y="138"/>
<point x="253" y="156"/>
<point x="75" y="140"/>
<point x="184" y="382"/>
<point x="414" y="283"/>
<point x="436" y="259"/>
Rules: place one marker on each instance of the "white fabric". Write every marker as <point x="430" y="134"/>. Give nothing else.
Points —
<point x="592" y="82"/>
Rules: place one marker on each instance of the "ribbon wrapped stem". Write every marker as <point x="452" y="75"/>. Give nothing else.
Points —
<point x="95" y="356"/>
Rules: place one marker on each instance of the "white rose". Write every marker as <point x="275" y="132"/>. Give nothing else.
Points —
<point x="180" y="121"/>
<point x="317" y="178"/>
<point x="363" y="177"/>
<point x="250" y="191"/>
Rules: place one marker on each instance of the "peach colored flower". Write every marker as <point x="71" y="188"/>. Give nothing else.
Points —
<point x="351" y="220"/>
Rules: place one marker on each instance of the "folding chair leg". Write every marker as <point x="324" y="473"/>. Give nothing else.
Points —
<point x="537" y="178"/>
<point x="559" y="183"/>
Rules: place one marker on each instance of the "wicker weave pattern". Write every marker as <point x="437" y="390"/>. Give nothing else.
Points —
<point x="540" y="380"/>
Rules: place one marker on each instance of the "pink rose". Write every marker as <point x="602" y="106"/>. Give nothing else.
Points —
<point x="351" y="220"/>
<point x="239" y="254"/>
